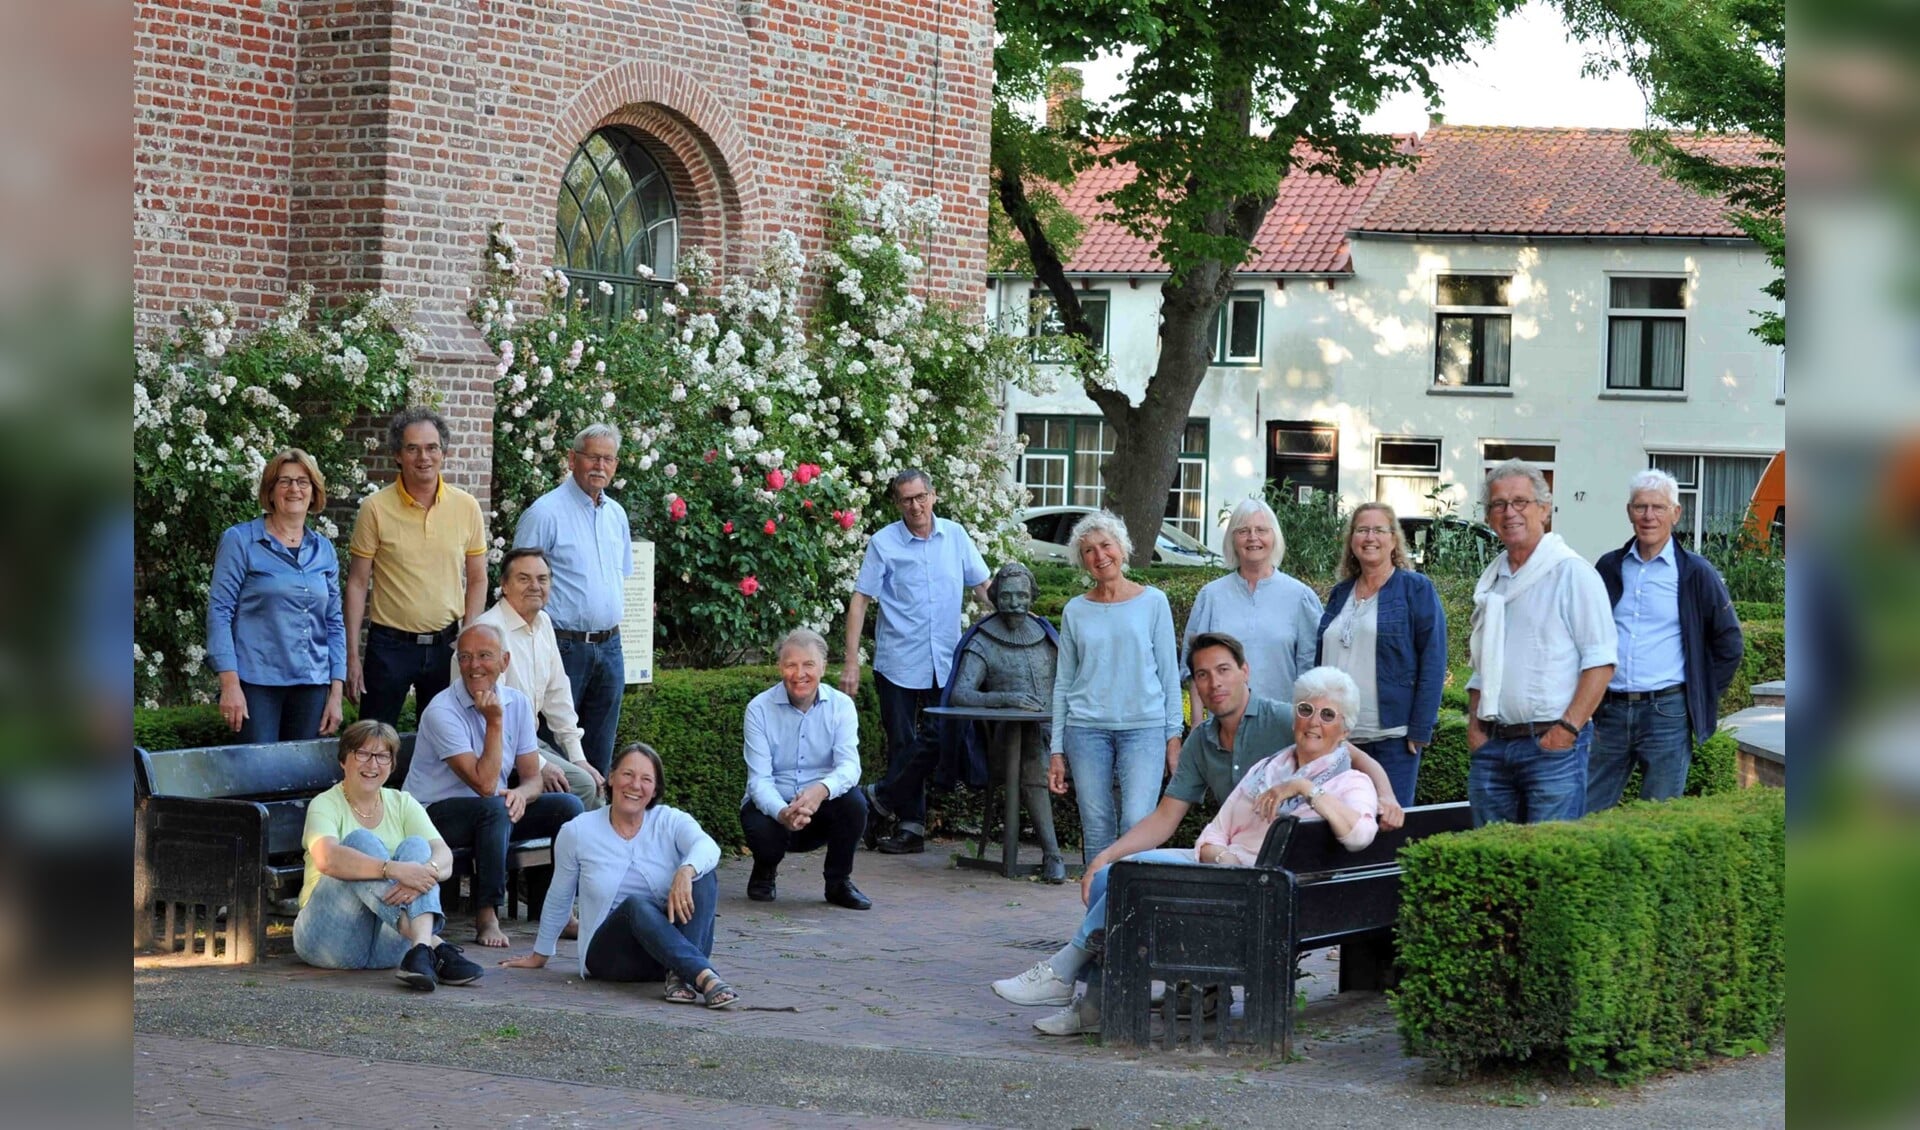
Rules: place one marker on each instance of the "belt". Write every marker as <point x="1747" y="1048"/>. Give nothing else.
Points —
<point x="1506" y="733"/>
<point x="1646" y="696"/>
<point x="585" y="637"/>
<point x="424" y="639"/>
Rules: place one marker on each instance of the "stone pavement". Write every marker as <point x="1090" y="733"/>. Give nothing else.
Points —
<point x="885" y="1013"/>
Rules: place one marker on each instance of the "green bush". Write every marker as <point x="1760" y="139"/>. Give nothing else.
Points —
<point x="1765" y="661"/>
<point x="1648" y="937"/>
<point x="1750" y="610"/>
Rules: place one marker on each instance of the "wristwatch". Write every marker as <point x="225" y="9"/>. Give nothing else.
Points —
<point x="1318" y="790"/>
<point x="1567" y="726"/>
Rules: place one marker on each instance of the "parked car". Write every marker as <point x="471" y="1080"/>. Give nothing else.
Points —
<point x="1465" y="541"/>
<point x="1049" y="526"/>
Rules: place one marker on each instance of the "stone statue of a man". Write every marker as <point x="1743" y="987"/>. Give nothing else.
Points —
<point x="1008" y="660"/>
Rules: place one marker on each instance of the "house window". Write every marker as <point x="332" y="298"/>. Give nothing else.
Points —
<point x="1472" y="332"/>
<point x="616" y="223"/>
<point x="1494" y="452"/>
<point x="1236" y="332"/>
<point x="1061" y="467"/>
<point x="1715" y="490"/>
<point x="1646" y="334"/>
<point x="1406" y="473"/>
<point x="1043" y="322"/>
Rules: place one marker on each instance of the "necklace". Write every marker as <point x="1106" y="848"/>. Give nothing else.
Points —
<point x="378" y="805"/>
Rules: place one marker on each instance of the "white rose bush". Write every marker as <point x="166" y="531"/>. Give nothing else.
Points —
<point x="210" y="406"/>
<point x="757" y="439"/>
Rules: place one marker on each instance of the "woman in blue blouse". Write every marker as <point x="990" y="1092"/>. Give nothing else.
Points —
<point x="644" y="875"/>
<point x="1384" y="626"/>
<point x="274" y="630"/>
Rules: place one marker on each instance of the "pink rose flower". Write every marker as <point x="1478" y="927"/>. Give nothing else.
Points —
<point x="806" y="504"/>
<point x="846" y="518"/>
<point x="749" y="585"/>
<point x="776" y="479"/>
<point x="769" y="527"/>
<point x="726" y="527"/>
<point x="806" y="473"/>
<point x="677" y="509"/>
<point x="711" y="455"/>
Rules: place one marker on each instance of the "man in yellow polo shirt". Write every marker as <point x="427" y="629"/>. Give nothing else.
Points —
<point x="422" y="545"/>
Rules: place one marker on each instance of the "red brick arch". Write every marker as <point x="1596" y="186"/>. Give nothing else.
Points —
<point x="691" y="133"/>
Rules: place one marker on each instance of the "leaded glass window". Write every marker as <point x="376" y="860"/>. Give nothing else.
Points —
<point x="617" y="223"/>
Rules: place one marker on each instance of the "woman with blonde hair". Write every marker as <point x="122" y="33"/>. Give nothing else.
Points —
<point x="275" y="635"/>
<point x="1384" y="626"/>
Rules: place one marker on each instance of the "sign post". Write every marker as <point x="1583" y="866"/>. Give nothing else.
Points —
<point x="636" y="619"/>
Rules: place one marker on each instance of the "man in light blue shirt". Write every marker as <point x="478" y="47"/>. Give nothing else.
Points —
<point x="918" y="571"/>
<point x="590" y="548"/>
<point x="1679" y="646"/>
<point x="473" y="736"/>
<point x="803" y="771"/>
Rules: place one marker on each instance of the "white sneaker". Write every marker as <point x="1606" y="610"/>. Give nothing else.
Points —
<point x="1039" y="985"/>
<point x="1081" y="1016"/>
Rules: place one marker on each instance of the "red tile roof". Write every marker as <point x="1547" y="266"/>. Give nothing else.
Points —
<point x="1304" y="232"/>
<point x="1508" y="180"/>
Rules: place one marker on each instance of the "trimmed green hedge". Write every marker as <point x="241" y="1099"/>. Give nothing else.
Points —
<point x="1648" y="937"/>
<point x="1748" y="610"/>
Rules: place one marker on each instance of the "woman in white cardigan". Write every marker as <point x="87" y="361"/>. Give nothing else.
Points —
<point x="644" y="875"/>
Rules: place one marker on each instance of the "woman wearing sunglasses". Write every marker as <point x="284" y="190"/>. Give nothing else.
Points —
<point x="1384" y="626"/>
<point x="375" y="862"/>
<point x="1312" y="779"/>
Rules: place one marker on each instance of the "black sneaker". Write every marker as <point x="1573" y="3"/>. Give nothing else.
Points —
<point x="452" y="968"/>
<point x="416" y="969"/>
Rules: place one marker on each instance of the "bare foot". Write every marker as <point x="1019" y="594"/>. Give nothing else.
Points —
<point x="572" y="930"/>
<point x="488" y="933"/>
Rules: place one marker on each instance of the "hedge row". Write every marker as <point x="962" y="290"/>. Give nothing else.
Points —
<point x="695" y="719"/>
<point x="1648" y="937"/>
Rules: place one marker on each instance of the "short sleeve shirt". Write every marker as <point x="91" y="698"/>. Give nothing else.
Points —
<point x="329" y="816"/>
<point x="919" y="584"/>
<point x="419" y="555"/>
<point x="452" y="725"/>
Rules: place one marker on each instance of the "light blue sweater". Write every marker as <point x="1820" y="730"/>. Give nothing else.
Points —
<point x="591" y="862"/>
<point x="1118" y="668"/>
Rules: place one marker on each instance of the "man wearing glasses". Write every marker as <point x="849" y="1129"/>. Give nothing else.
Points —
<point x="1680" y="645"/>
<point x="421" y="545"/>
<point x="473" y="737"/>
<point x="590" y="546"/>
<point x="1543" y="651"/>
<point x="918" y="571"/>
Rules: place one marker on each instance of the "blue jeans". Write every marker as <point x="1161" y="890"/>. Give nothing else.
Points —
<point x="346" y="923"/>
<point x="1653" y="732"/>
<point x="282" y="714"/>
<point x="1403" y="767"/>
<point x="598" y="673"/>
<point x="1135" y="760"/>
<point x="1515" y="781"/>
<point x="913" y="750"/>
<point x="480" y="822"/>
<point x="394" y="662"/>
<point x="1096" y="916"/>
<point x="637" y="943"/>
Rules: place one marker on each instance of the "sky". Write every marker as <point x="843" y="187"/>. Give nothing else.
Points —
<point x="1528" y="76"/>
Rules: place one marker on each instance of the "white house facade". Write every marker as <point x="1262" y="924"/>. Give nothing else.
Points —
<point x="1520" y="293"/>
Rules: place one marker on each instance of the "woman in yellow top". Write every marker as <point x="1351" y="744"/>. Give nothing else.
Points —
<point x="375" y="862"/>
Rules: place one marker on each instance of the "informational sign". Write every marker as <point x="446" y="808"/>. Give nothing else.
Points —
<point x="636" y="619"/>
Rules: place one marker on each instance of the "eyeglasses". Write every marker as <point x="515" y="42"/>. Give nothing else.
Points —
<point x="476" y="656"/>
<point x="1244" y="532"/>
<point x="906" y="500"/>
<point x="421" y="448"/>
<point x="1517" y="505"/>
<point x="1647" y="508"/>
<point x="288" y="482"/>
<point x="373" y="757"/>
<point x="1328" y="714"/>
<point x="597" y="460"/>
<point x="1376" y="531"/>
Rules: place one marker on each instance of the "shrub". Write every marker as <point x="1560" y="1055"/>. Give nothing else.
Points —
<point x="1648" y="937"/>
<point x="210" y="406"/>
<point x="1765" y="661"/>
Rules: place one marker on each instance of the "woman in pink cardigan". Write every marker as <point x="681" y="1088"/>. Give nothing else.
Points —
<point x="1312" y="779"/>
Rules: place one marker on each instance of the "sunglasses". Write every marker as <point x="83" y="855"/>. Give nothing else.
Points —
<point x="1328" y="714"/>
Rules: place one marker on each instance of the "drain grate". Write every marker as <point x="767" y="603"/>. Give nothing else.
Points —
<point x="1041" y="945"/>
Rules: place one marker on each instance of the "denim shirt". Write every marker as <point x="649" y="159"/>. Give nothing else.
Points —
<point x="1410" y="654"/>
<point x="275" y="619"/>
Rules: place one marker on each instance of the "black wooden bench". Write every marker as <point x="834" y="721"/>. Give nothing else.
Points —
<point x="1222" y="928"/>
<point x="219" y="826"/>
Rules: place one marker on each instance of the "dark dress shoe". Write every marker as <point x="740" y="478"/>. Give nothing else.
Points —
<point x="877" y="824"/>
<point x="760" y="886"/>
<point x="847" y="895"/>
<point x="903" y="842"/>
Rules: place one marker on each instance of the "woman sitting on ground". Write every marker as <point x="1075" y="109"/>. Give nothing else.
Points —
<point x="375" y="862"/>
<point x="1312" y="779"/>
<point x="644" y="875"/>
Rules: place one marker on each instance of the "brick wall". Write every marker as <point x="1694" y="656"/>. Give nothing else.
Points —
<point x="355" y="144"/>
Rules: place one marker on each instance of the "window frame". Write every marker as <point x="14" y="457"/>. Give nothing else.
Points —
<point x="1383" y="470"/>
<point x="1645" y="315"/>
<point x="1037" y="335"/>
<point x="1481" y="317"/>
<point x="1071" y="456"/>
<point x="1223" y="331"/>
<point x="1693" y="516"/>
<point x="644" y="174"/>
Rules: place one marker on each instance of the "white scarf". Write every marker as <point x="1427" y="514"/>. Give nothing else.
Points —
<point x="1489" y="641"/>
<point x="1320" y="770"/>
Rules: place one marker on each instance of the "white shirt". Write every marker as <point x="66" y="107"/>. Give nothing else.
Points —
<point x="536" y="671"/>
<point x="1556" y="629"/>
<point x="597" y="865"/>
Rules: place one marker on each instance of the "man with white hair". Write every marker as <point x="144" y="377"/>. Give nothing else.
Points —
<point x="590" y="548"/>
<point x="1679" y="646"/>
<point x="802" y="747"/>
<point x="1543" y="652"/>
<point x="473" y="736"/>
